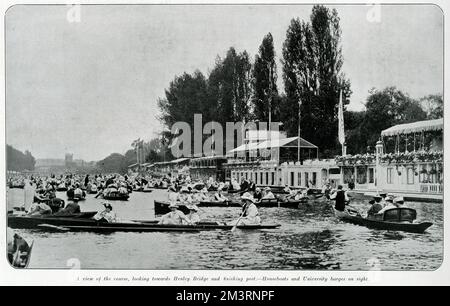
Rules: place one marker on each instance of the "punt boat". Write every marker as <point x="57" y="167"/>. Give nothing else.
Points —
<point x="65" y="224"/>
<point x="394" y="219"/>
<point x="162" y="208"/>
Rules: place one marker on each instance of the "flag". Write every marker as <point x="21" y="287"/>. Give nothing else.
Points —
<point x="341" y="132"/>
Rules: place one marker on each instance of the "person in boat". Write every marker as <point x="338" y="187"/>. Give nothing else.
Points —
<point x="174" y="217"/>
<point x="193" y="215"/>
<point x="268" y="195"/>
<point x="107" y="215"/>
<point x="250" y="214"/>
<point x="244" y="185"/>
<point x="186" y="197"/>
<point x="39" y="209"/>
<point x="374" y="209"/>
<point x="173" y="196"/>
<point x="235" y="185"/>
<point x="341" y="198"/>
<point x="258" y="194"/>
<point x="78" y="193"/>
<point x="219" y="197"/>
<point x="123" y="189"/>
<point x="286" y="189"/>
<point x="389" y="200"/>
<point x="71" y="208"/>
<point x="251" y="186"/>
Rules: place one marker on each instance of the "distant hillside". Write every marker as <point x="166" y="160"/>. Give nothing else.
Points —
<point x="19" y="161"/>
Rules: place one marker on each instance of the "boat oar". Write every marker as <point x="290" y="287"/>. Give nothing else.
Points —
<point x="239" y="219"/>
<point x="98" y="194"/>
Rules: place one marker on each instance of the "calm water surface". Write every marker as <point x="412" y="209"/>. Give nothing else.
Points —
<point x="309" y="238"/>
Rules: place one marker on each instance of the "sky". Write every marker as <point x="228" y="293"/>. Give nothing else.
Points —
<point x="90" y="86"/>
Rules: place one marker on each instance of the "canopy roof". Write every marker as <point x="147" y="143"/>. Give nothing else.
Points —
<point x="245" y="147"/>
<point x="291" y="142"/>
<point x="414" y="127"/>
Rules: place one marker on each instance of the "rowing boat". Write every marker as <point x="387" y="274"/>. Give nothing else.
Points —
<point x="91" y="225"/>
<point x="396" y="219"/>
<point x="88" y="225"/>
<point x="162" y="208"/>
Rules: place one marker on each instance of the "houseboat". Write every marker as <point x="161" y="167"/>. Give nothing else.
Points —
<point x="408" y="161"/>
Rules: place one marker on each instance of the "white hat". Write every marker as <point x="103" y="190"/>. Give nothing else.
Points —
<point x="192" y="207"/>
<point x="175" y="205"/>
<point x="248" y="196"/>
<point x="399" y="200"/>
<point x="389" y="198"/>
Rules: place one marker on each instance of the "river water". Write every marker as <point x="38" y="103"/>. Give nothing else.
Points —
<point x="309" y="238"/>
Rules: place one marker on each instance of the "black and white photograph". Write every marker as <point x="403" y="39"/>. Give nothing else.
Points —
<point x="273" y="137"/>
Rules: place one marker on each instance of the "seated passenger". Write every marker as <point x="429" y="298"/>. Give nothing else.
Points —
<point x="374" y="209"/>
<point x="174" y="217"/>
<point x="268" y="194"/>
<point x="70" y="209"/>
<point x="219" y="197"/>
<point x="107" y="215"/>
<point x="193" y="215"/>
<point x="38" y="209"/>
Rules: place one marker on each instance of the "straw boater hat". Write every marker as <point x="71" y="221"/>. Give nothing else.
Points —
<point x="389" y="198"/>
<point x="399" y="200"/>
<point x="192" y="207"/>
<point x="248" y="196"/>
<point x="267" y="188"/>
<point x="173" y="205"/>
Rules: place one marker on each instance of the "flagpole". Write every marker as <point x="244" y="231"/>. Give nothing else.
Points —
<point x="299" y="139"/>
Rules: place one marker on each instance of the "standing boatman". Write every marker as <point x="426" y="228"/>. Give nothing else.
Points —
<point x="341" y="198"/>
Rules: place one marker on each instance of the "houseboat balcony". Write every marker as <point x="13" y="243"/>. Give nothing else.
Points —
<point x="430" y="188"/>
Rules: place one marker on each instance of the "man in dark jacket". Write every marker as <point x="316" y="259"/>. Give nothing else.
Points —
<point x="341" y="198"/>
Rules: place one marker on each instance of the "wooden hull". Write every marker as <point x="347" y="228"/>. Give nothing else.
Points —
<point x="90" y="225"/>
<point x="162" y="208"/>
<point x="383" y="225"/>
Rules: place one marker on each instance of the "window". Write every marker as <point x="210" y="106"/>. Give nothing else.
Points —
<point x="292" y="178"/>
<point x="410" y="176"/>
<point x="389" y="176"/>
<point x="256" y="178"/>
<point x="371" y="175"/>
<point x="261" y="177"/>
<point x="314" y="178"/>
<point x="273" y="178"/>
<point x="267" y="178"/>
<point x="299" y="179"/>
<point x="306" y="179"/>
<point x="361" y="175"/>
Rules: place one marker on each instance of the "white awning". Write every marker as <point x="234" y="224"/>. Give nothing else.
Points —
<point x="414" y="127"/>
<point x="245" y="147"/>
<point x="291" y="142"/>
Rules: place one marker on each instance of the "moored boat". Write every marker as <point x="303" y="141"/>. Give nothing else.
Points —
<point x="395" y="219"/>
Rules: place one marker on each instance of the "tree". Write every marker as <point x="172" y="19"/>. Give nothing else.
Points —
<point x="186" y="96"/>
<point x="265" y="82"/>
<point x="229" y="86"/>
<point x="18" y="161"/>
<point x="384" y="108"/>
<point x="114" y="163"/>
<point x="433" y="105"/>
<point x="312" y="62"/>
